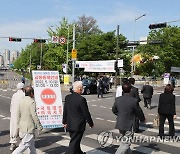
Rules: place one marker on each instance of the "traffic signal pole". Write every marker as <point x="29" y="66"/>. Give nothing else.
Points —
<point x="117" y="49"/>
<point x="73" y="61"/>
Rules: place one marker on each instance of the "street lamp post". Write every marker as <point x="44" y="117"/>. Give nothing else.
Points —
<point x="133" y="64"/>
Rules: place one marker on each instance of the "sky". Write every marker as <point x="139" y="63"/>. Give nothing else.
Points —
<point x="31" y="18"/>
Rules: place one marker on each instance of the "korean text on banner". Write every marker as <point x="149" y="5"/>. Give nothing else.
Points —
<point x="47" y="92"/>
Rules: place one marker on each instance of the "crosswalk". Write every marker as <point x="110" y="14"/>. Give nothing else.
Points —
<point x="90" y="143"/>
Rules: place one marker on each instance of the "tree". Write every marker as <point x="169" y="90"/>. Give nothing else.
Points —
<point x="168" y="51"/>
<point x="87" y="25"/>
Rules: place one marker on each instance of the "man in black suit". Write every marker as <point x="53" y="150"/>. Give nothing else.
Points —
<point x="147" y="91"/>
<point x="127" y="109"/>
<point x="75" y="115"/>
<point x="135" y="93"/>
<point x="100" y="87"/>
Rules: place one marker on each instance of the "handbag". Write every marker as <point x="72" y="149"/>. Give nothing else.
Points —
<point x="156" y="121"/>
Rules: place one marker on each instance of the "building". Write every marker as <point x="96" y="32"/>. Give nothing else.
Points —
<point x="1" y="61"/>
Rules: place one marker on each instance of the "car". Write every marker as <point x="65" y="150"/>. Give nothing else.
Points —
<point x="90" y="86"/>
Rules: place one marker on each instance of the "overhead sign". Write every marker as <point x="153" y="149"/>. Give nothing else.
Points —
<point x="175" y="69"/>
<point x="74" y="54"/>
<point x="55" y="39"/>
<point x="48" y="98"/>
<point x="99" y="66"/>
<point x="62" y="40"/>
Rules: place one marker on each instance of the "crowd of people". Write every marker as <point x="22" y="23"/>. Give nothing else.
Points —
<point x="24" y="119"/>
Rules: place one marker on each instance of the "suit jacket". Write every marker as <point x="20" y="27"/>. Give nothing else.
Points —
<point x="27" y="119"/>
<point x="147" y="91"/>
<point x="167" y="104"/>
<point x="135" y="93"/>
<point x="76" y="113"/>
<point x="127" y="108"/>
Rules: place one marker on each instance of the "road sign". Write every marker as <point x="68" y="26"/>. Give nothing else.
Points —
<point x="62" y="40"/>
<point x="55" y="39"/>
<point x="74" y="54"/>
<point x="48" y="96"/>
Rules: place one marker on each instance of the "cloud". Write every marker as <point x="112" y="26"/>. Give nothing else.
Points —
<point x="36" y="28"/>
<point x="24" y="29"/>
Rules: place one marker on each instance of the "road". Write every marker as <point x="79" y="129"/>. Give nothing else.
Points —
<point x="55" y="141"/>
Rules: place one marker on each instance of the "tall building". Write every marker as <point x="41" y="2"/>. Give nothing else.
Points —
<point x="1" y="61"/>
<point x="14" y="55"/>
<point x="6" y="57"/>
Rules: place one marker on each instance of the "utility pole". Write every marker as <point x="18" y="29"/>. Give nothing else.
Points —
<point x="73" y="61"/>
<point x="117" y="49"/>
<point x="67" y="52"/>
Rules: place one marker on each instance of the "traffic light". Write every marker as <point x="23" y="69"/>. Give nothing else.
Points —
<point x="14" y="39"/>
<point x="159" y="25"/>
<point x="39" y="40"/>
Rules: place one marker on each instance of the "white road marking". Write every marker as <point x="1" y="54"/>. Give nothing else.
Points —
<point x="111" y="121"/>
<point x="99" y="119"/>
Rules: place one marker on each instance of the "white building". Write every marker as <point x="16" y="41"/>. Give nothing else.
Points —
<point x="1" y="61"/>
<point x="14" y="55"/>
<point x="6" y="57"/>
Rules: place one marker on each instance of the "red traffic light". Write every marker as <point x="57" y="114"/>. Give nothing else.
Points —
<point x="159" y="25"/>
<point x="39" y="40"/>
<point x="14" y="39"/>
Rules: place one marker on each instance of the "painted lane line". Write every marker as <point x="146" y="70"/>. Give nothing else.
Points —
<point x="99" y="119"/>
<point x="2" y="116"/>
<point x="93" y="105"/>
<point x="93" y="100"/>
<point x="103" y="107"/>
<point x="8" y="118"/>
<point x="5" y="97"/>
<point x="111" y="121"/>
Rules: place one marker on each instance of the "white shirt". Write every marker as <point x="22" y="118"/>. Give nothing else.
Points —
<point x="119" y="91"/>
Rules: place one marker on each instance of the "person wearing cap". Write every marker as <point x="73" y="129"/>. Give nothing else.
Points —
<point x="16" y="98"/>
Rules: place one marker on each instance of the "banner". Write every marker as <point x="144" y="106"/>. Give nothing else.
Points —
<point x="98" y="66"/>
<point x="47" y="92"/>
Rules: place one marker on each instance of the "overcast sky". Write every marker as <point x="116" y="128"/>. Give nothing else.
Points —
<point x="31" y="18"/>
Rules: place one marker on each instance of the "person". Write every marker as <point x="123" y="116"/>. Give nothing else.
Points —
<point x="100" y="87"/>
<point x="126" y="108"/>
<point x="167" y="109"/>
<point x="27" y="122"/>
<point x="135" y="93"/>
<point x="111" y="82"/>
<point x="23" y="79"/>
<point x="147" y="91"/>
<point x="16" y="98"/>
<point x="75" y="115"/>
<point x="119" y="91"/>
<point x="173" y="81"/>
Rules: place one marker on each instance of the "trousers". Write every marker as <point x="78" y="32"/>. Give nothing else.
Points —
<point x="124" y="147"/>
<point x="74" y="145"/>
<point x="26" y="142"/>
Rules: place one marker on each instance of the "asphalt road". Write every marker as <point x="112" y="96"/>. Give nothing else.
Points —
<point x="55" y="141"/>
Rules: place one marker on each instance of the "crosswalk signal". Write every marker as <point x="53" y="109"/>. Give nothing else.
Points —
<point x="13" y="39"/>
<point x="159" y="25"/>
<point x="39" y="40"/>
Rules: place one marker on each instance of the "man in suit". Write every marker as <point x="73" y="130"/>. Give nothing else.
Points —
<point x="135" y="93"/>
<point x="147" y="91"/>
<point x="126" y="108"/>
<point x="27" y="121"/>
<point x="75" y="115"/>
<point x="100" y="87"/>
